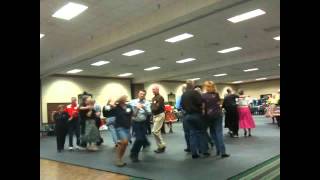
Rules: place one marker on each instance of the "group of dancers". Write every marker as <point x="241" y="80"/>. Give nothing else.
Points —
<point x="201" y="109"/>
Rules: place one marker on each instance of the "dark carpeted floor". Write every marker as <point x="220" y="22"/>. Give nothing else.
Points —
<point x="175" y="164"/>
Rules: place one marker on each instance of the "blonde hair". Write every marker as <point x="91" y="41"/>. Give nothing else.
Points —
<point x="209" y="86"/>
<point x="122" y="99"/>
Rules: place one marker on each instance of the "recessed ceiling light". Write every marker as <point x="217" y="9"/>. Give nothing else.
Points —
<point x="252" y="69"/>
<point x="152" y="68"/>
<point x="259" y="79"/>
<point x="229" y="50"/>
<point x="277" y="38"/>
<point x="179" y="37"/>
<point x="74" y="71"/>
<point x="100" y="63"/>
<point x="134" y="52"/>
<point x="69" y="11"/>
<point x="218" y="75"/>
<point x="125" y="74"/>
<point x="194" y="79"/>
<point x="237" y="82"/>
<point x="41" y="35"/>
<point x="247" y="15"/>
<point x="185" y="60"/>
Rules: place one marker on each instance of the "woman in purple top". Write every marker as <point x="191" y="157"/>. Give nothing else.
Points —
<point x="213" y="116"/>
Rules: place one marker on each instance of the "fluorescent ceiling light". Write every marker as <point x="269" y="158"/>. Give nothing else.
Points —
<point x="194" y="79"/>
<point x="277" y="38"/>
<point x="253" y="69"/>
<point x="69" y="11"/>
<point x="259" y="79"/>
<point x="247" y="15"/>
<point x="179" y="37"/>
<point x="125" y="74"/>
<point x="236" y="82"/>
<point x="218" y="75"/>
<point x="152" y="68"/>
<point x="132" y="53"/>
<point x="74" y="71"/>
<point x="41" y="35"/>
<point x="229" y="50"/>
<point x="100" y="63"/>
<point x="185" y="60"/>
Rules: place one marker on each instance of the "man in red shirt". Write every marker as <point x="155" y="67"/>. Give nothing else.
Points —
<point x="73" y="122"/>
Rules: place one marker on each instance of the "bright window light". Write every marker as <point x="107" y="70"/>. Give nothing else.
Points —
<point x="219" y="75"/>
<point x="134" y="52"/>
<point x="152" y="68"/>
<point x="229" y="50"/>
<point x="125" y="74"/>
<point x="185" y="60"/>
<point x="69" y="11"/>
<point x="237" y="82"/>
<point x="277" y="38"/>
<point x="100" y="63"/>
<point x="41" y="36"/>
<point x="74" y="71"/>
<point x="252" y="69"/>
<point x="179" y="38"/>
<point x="194" y="79"/>
<point x="246" y="16"/>
<point x="260" y="79"/>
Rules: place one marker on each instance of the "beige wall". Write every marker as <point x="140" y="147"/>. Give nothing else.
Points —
<point x="258" y="88"/>
<point x="61" y="89"/>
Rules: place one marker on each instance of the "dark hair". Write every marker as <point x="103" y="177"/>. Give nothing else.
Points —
<point x="84" y="98"/>
<point x="241" y="92"/>
<point x="229" y="90"/>
<point x="143" y="90"/>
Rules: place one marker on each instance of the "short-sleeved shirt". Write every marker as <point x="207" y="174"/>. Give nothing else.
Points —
<point x="123" y="116"/>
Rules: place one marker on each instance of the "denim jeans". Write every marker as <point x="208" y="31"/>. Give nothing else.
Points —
<point x="112" y="130"/>
<point x="197" y="139"/>
<point x="216" y="131"/>
<point x="140" y="137"/>
<point x="186" y="132"/>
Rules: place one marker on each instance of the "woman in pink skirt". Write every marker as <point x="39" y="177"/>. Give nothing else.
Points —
<point x="245" y="118"/>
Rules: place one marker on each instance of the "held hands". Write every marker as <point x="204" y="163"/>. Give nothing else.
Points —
<point x="140" y="106"/>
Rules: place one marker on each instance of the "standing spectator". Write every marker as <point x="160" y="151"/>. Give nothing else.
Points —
<point x="123" y="116"/>
<point x="61" y="120"/>
<point x="73" y="123"/>
<point x="157" y="108"/>
<point x="191" y="103"/>
<point x="231" y="115"/>
<point x="246" y="120"/>
<point x="213" y="114"/>
<point x="141" y="109"/>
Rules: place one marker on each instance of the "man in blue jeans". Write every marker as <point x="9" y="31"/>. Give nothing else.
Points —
<point x="191" y="103"/>
<point x="141" y="110"/>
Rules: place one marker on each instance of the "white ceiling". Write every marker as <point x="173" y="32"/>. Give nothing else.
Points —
<point x="211" y="33"/>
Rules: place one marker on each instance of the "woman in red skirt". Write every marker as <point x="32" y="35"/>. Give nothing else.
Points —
<point x="169" y="117"/>
<point x="246" y="120"/>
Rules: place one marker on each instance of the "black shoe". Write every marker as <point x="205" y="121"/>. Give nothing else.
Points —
<point x="160" y="150"/>
<point x="59" y="150"/>
<point x="225" y="155"/>
<point x="187" y="150"/>
<point x="250" y="135"/>
<point x="195" y="156"/>
<point x="130" y="142"/>
<point x="134" y="158"/>
<point x="245" y="134"/>
<point x="218" y="153"/>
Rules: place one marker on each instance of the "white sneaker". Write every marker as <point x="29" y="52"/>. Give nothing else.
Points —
<point x="70" y="148"/>
<point x="80" y="148"/>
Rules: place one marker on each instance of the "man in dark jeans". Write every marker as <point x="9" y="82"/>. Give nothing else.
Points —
<point x="191" y="103"/>
<point x="141" y="109"/>
<point x="73" y="122"/>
